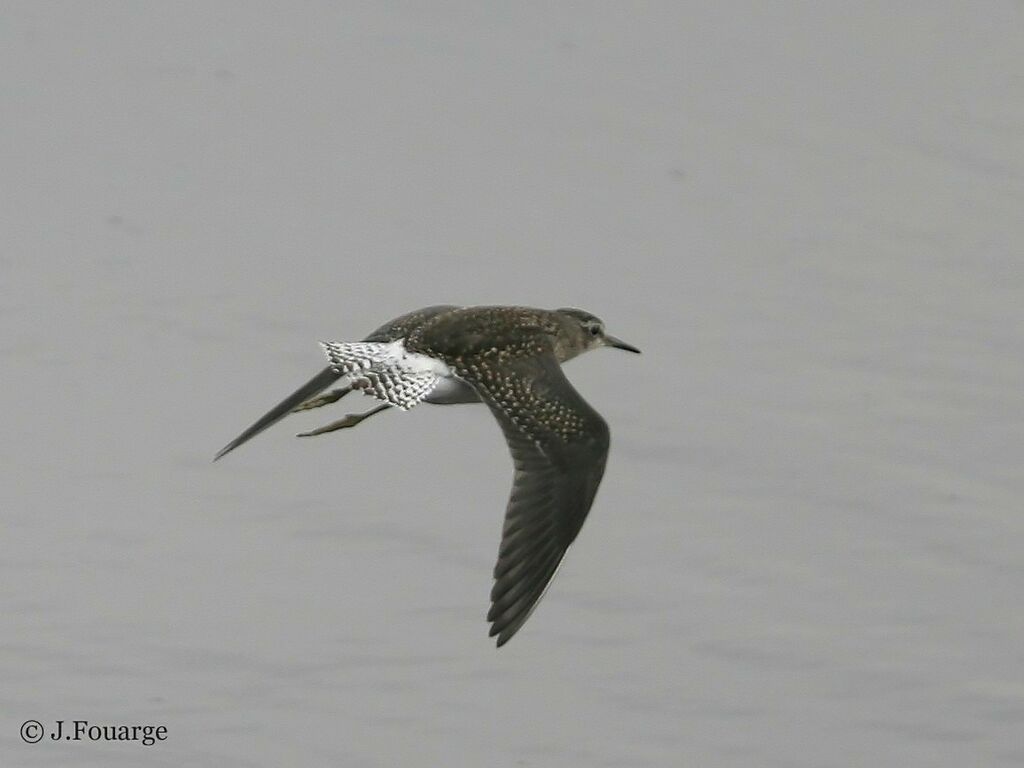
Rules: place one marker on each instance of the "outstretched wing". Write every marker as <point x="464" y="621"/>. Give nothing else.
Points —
<point x="318" y="383"/>
<point x="559" y="446"/>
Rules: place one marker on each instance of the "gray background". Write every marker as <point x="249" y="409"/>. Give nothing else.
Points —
<point x="809" y="546"/>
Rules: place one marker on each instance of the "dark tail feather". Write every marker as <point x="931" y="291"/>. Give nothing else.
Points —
<point x="319" y="382"/>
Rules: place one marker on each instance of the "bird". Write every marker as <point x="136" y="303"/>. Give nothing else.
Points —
<point x="509" y="358"/>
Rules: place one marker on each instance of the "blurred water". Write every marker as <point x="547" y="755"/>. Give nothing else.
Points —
<point x="807" y="550"/>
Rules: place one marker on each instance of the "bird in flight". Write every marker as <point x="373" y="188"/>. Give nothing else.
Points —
<point x="510" y="359"/>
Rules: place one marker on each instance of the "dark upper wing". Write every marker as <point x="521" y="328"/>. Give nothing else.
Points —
<point x="318" y="383"/>
<point x="467" y="332"/>
<point x="559" y="445"/>
<point x="402" y="326"/>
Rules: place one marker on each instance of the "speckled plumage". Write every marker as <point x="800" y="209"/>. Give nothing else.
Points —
<point x="510" y="359"/>
<point x="386" y="370"/>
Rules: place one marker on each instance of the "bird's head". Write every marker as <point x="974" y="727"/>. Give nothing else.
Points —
<point x="582" y="331"/>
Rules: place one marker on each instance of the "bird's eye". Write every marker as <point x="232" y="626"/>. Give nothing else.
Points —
<point x="595" y="330"/>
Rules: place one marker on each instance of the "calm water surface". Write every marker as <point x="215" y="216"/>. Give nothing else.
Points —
<point x="809" y="546"/>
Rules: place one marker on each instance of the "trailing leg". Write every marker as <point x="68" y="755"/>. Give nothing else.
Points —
<point x="348" y="421"/>
<point x="321" y="400"/>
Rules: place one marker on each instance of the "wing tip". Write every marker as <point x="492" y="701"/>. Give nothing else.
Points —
<point x="504" y="634"/>
<point x="223" y="452"/>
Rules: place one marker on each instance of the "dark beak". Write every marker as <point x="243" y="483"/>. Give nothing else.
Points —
<point x="611" y="341"/>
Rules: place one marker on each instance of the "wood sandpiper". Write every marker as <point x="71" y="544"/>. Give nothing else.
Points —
<point x="510" y="359"/>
